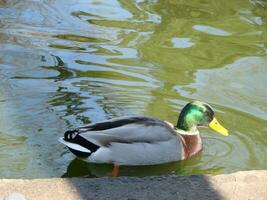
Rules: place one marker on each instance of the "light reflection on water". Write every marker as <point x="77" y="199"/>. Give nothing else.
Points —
<point x="65" y="64"/>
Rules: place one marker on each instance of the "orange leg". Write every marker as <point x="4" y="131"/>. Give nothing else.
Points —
<point x="115" y="170"/>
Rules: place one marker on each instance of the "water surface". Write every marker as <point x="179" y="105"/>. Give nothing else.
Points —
<point x="67" y="63"/>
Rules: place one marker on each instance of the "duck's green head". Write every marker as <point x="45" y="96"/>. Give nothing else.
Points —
<point x="196" y="114"/>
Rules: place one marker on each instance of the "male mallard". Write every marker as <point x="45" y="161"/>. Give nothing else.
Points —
<point x="141" y="140"/>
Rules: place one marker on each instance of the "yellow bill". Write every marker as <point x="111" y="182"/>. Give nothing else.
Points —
<point x="215" y="125"/>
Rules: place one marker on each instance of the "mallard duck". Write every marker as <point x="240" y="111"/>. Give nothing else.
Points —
<point x="142" y="140"/>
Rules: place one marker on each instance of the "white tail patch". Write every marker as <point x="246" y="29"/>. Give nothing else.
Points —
<point x="74" y="146"/>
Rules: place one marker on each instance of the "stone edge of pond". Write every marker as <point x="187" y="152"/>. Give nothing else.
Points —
<point x="239" y="185"/>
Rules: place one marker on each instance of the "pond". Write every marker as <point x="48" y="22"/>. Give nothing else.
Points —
<point x="65" y="64"/>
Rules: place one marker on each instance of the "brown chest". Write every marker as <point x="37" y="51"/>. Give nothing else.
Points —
<point x="192" y="145"/>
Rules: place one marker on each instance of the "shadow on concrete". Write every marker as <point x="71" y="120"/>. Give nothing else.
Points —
<point x="156" y="187"/>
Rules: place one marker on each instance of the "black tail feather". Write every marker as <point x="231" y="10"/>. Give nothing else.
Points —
<point x="74" y="137"/>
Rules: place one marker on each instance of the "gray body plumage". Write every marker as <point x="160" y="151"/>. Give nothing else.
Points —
<point x="136" y="140"/>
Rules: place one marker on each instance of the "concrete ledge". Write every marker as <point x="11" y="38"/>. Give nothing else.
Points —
<point x="241" y="185"/>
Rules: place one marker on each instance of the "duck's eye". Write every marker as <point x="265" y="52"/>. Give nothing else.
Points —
<point x="209" y="115"/>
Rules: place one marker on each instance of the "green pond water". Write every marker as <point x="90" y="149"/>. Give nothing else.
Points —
<point x="64" y="64"/>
